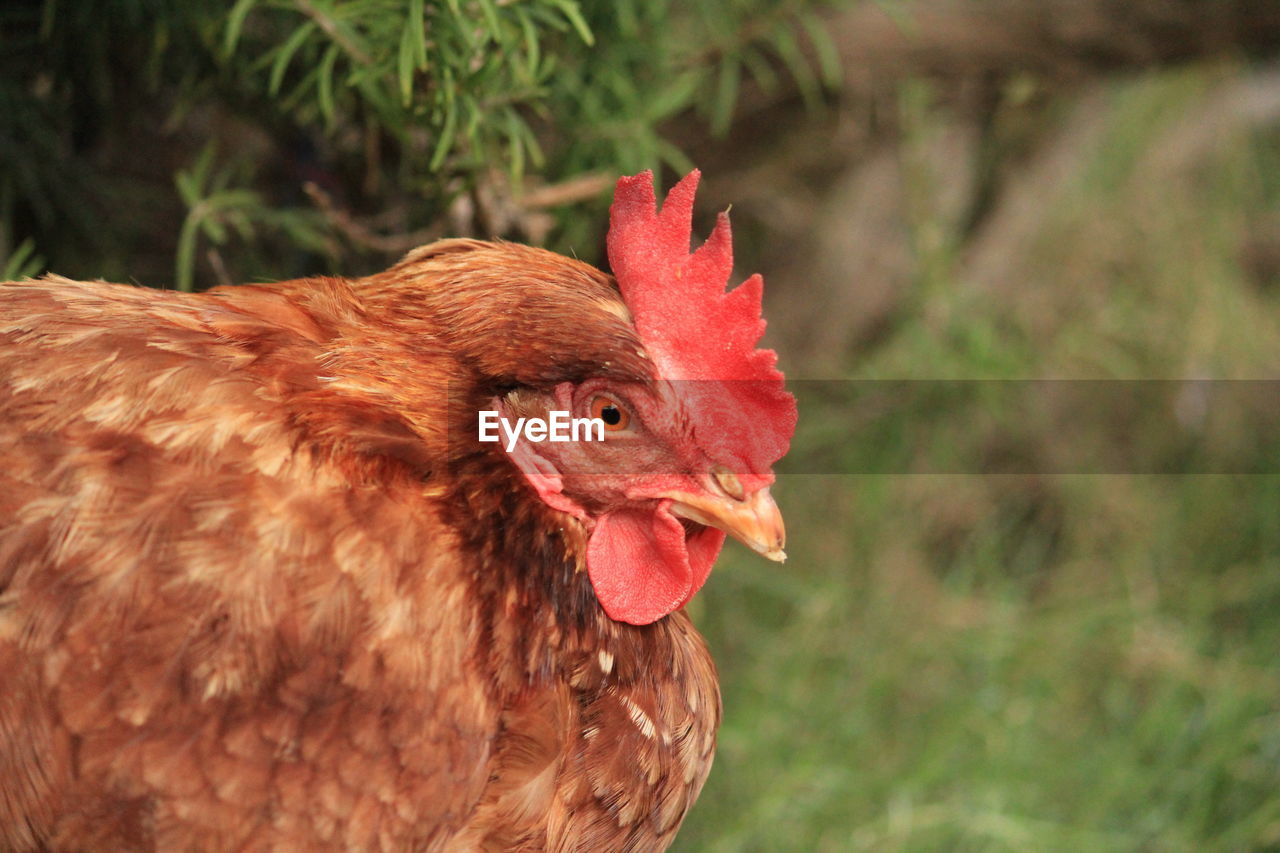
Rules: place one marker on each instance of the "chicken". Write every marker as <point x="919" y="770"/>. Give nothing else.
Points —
<point x="263" y="587"/>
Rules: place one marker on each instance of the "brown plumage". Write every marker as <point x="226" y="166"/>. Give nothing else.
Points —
<point x="261" y="588"/>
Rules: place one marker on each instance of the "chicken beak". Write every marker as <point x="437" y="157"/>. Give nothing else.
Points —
<point x="754" y="521"/>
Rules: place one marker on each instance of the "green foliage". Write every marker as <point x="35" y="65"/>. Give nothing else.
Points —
<point x="217" y="209"/>
<point x="1031" y="662"/>
<point x="399" y="113"/>
<point x="23" y="262"/>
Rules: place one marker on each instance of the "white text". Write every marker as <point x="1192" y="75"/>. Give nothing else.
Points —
<point x="558" y="427"/>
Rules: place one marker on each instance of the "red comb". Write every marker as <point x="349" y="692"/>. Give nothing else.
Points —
<point x="693" y="329"/>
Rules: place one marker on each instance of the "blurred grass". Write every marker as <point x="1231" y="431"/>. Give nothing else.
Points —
<point x="1038" y="662"/>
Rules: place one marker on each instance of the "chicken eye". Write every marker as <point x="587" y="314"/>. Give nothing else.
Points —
<point x="614" y="416"/>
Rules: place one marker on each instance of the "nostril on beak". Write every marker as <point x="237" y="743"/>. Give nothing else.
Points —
<point x="729" y="482"/>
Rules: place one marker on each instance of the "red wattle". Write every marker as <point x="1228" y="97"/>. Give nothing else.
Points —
<point x="643" y="567"/>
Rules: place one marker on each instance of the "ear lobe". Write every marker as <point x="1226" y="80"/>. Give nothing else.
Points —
<point x="545" y="479"/>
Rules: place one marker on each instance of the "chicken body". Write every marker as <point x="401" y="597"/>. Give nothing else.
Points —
<point x="261" y="589"/>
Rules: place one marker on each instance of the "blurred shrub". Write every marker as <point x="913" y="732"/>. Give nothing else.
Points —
<point x="352" y="127"/>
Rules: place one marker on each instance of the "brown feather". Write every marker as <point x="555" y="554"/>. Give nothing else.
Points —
<point x="255" y="592"/>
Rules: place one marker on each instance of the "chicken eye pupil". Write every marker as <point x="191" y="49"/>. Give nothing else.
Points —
<point x="610" y="414"/>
